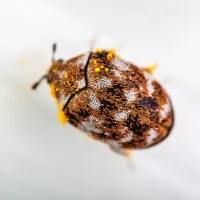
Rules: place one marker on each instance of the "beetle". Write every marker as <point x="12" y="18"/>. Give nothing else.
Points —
<point x="110" y="99"/>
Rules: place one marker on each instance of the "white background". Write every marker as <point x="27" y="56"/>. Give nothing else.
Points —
<point x="39" y="159"/>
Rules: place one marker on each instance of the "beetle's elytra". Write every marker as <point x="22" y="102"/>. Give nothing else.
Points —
<point x="111" y="100"/>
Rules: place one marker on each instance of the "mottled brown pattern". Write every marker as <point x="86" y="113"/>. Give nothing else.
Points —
<point x="136" y="124"/>
<point x="131" y="79"/>
<point x="117" y="103"/>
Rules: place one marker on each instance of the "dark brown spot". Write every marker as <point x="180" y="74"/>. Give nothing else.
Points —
<point x="133" y="124"/>
<point x="149" y="103"/>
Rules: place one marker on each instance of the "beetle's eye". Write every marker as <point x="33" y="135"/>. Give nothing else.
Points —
<point x="60" y="60"/>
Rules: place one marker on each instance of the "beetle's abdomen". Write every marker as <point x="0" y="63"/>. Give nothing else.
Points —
<point x="106" y="119"/>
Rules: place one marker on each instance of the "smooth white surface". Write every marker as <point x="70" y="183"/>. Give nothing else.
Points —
<point x="39" y="159"/>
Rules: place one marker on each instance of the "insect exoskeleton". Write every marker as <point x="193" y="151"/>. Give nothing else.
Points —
<point x="111" y="100"/>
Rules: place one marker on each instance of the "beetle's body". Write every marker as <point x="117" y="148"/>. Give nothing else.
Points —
<point x="111" y="100"/>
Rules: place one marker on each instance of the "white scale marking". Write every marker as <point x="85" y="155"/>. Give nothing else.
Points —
<point x="121" y="115"/>
<point x="150" y="79"/>
<point x="94" y="103"/>
<point x="128" y="138"/>
<point x="81" y="83"/>
<point x="152" y="135"/>
<point x="130" y="96"/>
<point x="120" y="64"/>
<point x="165" y="110"/>
<point x="103" y="83"/>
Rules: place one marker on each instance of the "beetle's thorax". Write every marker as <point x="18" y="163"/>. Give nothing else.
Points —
<point x="67" y="78"/>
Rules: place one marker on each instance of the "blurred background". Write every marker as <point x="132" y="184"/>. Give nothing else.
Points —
<point x="39" y="159"/>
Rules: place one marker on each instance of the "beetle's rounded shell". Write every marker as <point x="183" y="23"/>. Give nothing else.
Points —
<point x="117" y="102"/>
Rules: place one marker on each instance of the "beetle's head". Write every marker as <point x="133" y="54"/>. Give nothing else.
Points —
<point x="67" y="78"/>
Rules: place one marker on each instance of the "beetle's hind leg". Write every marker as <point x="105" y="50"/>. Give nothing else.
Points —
<point x="151" y="68"/>
<point x="36" y="84"/>
<point x="127" y="153"/>
<point x="117" y="148"/>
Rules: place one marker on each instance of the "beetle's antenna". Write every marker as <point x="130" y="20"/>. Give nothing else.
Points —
<point x="93" y="41"/>
<point x="92" y="44"/>
<point x="120" y="47"/>
<point x="54" y="48"/>
<point x="36" y="84"/>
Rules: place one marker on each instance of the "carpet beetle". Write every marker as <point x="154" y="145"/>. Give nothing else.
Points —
<point x="110" y="99"/>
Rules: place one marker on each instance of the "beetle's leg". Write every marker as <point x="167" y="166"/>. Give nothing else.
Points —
<point x="54" y="48"/>
<point x="92" y="42"/>
<point x="36" y="84"/>
<point x="117" y="148"/>
<point x="151" y="68"/>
